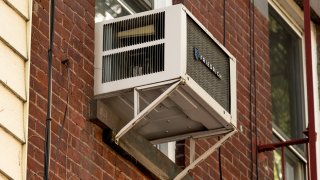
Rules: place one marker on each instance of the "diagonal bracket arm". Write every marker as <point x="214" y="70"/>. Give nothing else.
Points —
<point x="139" y="115"/>
<point x="204" y="155"/>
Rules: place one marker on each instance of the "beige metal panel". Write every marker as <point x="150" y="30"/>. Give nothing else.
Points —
<point x="10" y="155"/>
<point x="13" y="29"/>
<point x="20" y="5"/>
<point x="12" y="70"/>
<point x="11" y="113"/>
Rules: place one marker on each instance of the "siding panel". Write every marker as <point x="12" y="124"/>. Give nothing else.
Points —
<point x="3" y="177"/>
<point x="15" y="32"/>
<point x="21" y="6"/>
<point x="11" y="113"/>
<point x="10" y="155"/>
<point x="12" y="70"/>
<point x="13" y="28"/>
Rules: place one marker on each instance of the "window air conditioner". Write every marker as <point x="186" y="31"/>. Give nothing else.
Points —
<point x="165" y="75"/>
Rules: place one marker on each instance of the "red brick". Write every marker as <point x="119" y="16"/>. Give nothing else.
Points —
<point x="74" y="5"/>
<point x="74" y="39"/>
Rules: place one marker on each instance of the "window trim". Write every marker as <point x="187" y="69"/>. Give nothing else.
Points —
<point x="299" y="68"/>
<point x="299" y="32"/>
<point x="298" y="29"/>
<point x="287" y="17"/>
<point x="158" y="5"/>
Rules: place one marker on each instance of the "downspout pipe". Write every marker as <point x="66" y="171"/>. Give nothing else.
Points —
<point x="310" y="96"/>
<point x="48" y="118"/>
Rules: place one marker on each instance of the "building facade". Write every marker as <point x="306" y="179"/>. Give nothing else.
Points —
<point x="265" y="36"/>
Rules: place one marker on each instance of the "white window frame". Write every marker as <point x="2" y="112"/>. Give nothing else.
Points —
<point x="161" y="3"/>
<point x="293" y="16"/>
<point x="156" y="5"/>
<point x="298" y="29"/>
<point x="316" y="90"/>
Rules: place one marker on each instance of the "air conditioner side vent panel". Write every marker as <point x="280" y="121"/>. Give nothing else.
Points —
<point x="218" y="88"/>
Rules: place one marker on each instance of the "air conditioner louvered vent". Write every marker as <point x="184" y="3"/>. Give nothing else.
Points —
<point x="217" y="88"/>
<point x="133" y="31"/>
<point x="133" y="63"/>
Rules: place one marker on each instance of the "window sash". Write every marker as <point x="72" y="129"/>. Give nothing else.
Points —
<point x="294" y="151"/>
<point x="287" y="78"/>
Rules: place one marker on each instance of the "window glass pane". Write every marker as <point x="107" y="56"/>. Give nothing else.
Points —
<point x="108" y="9"/>
<point x="289" y="171"/>
<point x="277" y="167"/>
<point x="294" y="168"/>
<point x="138" y="5"/>
<point x="286" y="78"/>
<point x="168" y="149"/>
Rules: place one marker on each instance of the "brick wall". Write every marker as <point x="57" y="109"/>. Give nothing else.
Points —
<point x="237" y="155"/>
<point x="81" y="154"/>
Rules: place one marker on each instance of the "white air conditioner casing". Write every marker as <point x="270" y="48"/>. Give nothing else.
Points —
<point x="148" y="53"/>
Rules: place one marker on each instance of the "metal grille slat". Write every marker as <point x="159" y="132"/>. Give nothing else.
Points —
<point x="133" y="63"/>
<point x="133" y="31"/>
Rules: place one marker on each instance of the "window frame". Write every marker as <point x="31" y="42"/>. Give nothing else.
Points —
<point x="299" y="32"/>
<point x="156" y="4"/>
<point x="296" y="105"/>
<point x="293" y="17"/>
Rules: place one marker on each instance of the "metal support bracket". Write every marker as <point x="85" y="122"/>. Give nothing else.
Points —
<point x="204" y="155"/>
<point x="139" y="115"/>
<point x="273" y="146"/>
<point x="192" y="150"/>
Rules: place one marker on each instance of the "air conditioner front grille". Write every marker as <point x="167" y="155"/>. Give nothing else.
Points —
<point x="133" y="63"/>
<point x="133" y="31"/>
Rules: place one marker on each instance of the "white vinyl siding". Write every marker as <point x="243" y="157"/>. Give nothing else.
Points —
<point x="13" y="28"/>
<point x="11" y="152"/>
<point x="14" y="86"/>
<point x="21" y="5"/>
<point x="12" y="70"/>
<point x="3" y="177"/>
<point x="11" y="115"/>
